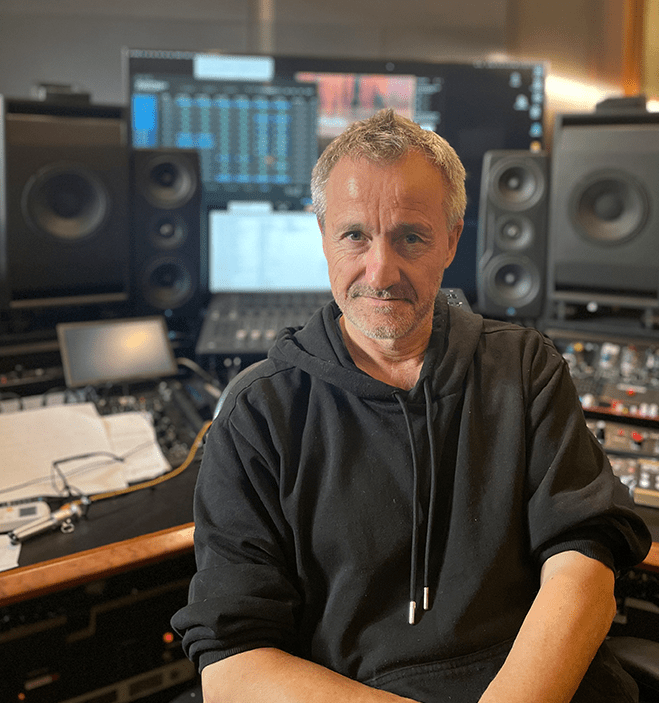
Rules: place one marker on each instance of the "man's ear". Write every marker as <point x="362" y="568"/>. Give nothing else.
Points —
<point x="453" y="239"/>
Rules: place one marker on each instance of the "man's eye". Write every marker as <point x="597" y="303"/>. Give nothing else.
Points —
<point x="354" y="236"/>
<point x="412" y="238"/>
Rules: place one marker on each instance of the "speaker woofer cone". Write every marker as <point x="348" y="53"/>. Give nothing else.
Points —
<point x="512" y="282"/>
<point x="168" y="181"/>
<point x="167" y="284"/>
<point x="67" y="202"/>
<point x="516" y="185"/>
<point x="609" y="208"/>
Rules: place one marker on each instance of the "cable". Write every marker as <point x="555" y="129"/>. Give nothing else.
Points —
<point x="210" y="383"/>
<point x="160" y="479"/>
<point x="194" y="366"/>
<point x="75" y="508"/>
<point x="65" y="478"/>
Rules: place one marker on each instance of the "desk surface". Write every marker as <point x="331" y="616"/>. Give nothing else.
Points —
<point x="159" y="527"/>
<point x="72" y="570"/>
<point x="118" y="535"/>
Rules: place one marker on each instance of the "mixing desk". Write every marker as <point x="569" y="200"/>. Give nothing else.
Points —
<point x="238" y="323"/>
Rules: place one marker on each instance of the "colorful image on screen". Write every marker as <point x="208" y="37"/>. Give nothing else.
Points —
<point x="346" y="97"/>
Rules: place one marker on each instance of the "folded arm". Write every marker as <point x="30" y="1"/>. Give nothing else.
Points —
<point x="563" y="630"/>
<point x="277" y="677"/>
<point x="561" y="634"/>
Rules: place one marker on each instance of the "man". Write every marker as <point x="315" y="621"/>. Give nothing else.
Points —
<point x="403" y="502"/>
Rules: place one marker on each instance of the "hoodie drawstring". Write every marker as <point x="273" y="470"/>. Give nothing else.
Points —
<point x="415" y="503"/>
<point x="415" y="511"/>
<point x="431" y="497"/>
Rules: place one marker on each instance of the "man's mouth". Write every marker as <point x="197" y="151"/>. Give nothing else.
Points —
<point x="386" y="295"/>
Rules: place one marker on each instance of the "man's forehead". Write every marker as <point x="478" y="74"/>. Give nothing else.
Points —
<point x="354" y="176"/>
<point x="346" y="176"/>
<point x="352" y="186"/>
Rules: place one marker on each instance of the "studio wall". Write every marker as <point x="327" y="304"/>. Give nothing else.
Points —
<point x="76" y="42"/>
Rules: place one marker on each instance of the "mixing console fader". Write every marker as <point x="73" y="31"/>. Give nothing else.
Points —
<point x="239" y="323"/>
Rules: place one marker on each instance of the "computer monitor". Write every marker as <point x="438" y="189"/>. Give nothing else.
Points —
<point x="260" y="122"/>
<point x="275" y="251"/>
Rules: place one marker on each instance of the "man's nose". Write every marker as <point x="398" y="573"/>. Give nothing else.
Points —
<point x="382" y="265"/>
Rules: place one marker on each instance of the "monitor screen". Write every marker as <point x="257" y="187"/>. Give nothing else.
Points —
<point x="255" y="131"/>
<point x="266" y="250"/>
<point x="260" y="122"/>
<point x="115" y="351"/>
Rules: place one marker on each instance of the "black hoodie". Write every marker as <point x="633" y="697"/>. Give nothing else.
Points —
<point x="328" y="500"/>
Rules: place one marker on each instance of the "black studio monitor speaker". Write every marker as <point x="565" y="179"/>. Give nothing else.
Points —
<point x="604" y="209"/>
<point x="64" y="233"/>
<point x="166" y="231"/>
<point x="512" y="233"/>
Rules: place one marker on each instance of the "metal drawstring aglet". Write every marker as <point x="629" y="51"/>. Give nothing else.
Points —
<point x="426" y="598"/>
<point x="412" y="613"/>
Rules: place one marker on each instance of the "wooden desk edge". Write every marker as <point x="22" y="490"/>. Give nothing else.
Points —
<point x="45" y="577"/>
<point x="66" y="572"/>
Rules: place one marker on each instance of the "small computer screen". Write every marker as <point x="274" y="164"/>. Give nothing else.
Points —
<point x="260" y="123"/>
<point x="252" y="248"/>
<point x="115" y="351"/>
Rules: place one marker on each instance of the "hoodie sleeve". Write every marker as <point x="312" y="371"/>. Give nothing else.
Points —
<point x="576" y="502"/>
<point x="243" y="595"/>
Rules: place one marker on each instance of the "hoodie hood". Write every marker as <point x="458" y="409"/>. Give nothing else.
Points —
<point x="318" y="349"/>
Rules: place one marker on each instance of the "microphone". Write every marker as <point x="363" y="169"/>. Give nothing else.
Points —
<point x="56" y="518"/>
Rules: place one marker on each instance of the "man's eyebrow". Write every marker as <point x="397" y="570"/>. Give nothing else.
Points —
<point x="352" y="226"/>
<point x="412" y="228"/>
<point x="400" y="228"/>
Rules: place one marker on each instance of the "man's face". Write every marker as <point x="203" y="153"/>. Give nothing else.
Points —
<point x="387" y="244"/>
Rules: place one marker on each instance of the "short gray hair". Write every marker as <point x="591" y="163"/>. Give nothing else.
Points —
<point x="385" y="138"/>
